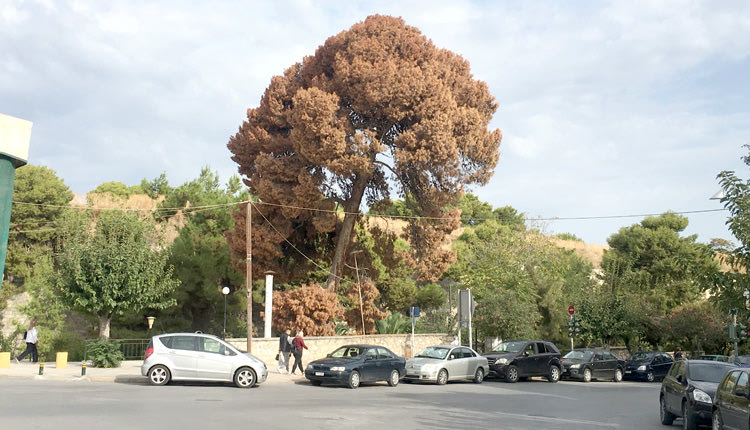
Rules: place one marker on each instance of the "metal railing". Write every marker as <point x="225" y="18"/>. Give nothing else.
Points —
<point x="132" y="349"/>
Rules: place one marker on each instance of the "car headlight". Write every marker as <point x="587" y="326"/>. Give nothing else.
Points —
<point x="642" y="368"/>
<point x="575" y="366"/>
<point x="338" y="369"/>
<point x="501" y="361"/>
<point x="309" y="367"/>
<point x="701" y="396"/>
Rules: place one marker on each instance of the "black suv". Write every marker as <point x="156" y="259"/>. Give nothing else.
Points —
<point x="688" y="390"/>
<point x="517" y="359"/>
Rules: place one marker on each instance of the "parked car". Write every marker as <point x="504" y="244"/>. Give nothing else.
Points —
<point x="740" y="360"/>
<point x="648" y="365"/>
<point x="351" y="365"/>
<point x="688" y="390"/>
<point x="200" y="357"/>
<point x="724" y="358"/>
<point x="443" y="363"/>
<point x="517" y="359"/>
<point x="589" y="364"/>
<point x="731" y="409"/>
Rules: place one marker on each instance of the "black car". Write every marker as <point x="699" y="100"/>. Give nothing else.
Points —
<point x="688" y="391"/>
<point x="352" y="364"/>
<point x="648" y="366"/>
<point x="587" y="364"/>
<point x="732" y="401"/>
<point x="517" y="359"/>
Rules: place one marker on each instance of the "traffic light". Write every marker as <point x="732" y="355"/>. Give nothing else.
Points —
<point x="732" y="331"/>
<point x="574" y="327"/>
<point x="741" y="331"/>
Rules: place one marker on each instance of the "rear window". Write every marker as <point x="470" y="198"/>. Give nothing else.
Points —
<point x="707" y="372"/>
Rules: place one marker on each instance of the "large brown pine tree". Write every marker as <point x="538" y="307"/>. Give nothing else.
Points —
<point x="378" y="111"/>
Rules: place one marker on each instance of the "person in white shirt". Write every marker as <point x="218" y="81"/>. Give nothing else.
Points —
<point x="32" y="339"/>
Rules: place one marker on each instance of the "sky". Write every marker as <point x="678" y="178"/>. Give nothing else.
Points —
<point x="608" y="109"/>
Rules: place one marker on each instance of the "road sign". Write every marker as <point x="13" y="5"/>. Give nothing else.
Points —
<point x="571" y="310"/>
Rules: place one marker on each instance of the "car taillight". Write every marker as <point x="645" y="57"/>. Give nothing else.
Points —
<point x="149" y="351"/>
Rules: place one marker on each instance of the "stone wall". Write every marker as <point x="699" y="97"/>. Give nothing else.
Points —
<point x="12" y="314"/>
<point x="266" y="348"/>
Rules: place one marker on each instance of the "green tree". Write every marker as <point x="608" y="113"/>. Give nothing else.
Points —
<point x="116" y="189"/>
<point x="201" y="256"/>
<point x="115" y="268"/>
<point x="730" y="287"/>
<point x="651" y="260"/>
<point x="41" y="198"/>
<point x="156" y="187"/>
<point x="378" y="110"/>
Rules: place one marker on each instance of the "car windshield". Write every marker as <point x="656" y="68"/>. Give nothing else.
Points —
<point x="707" y="372"/>
<point x="433" y="352"/>
<point x="640" y="356"/>
<point x="579" y="355"/>
<point x="347" y="352"/>
<point x="509" y="347"/>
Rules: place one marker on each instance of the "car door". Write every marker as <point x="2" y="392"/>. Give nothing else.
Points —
<point x="463" y="363"/>
<point x="610" y="365"/>
<point x="472" y="362"/>
<point x="674" y="388"/>
<point x="183" y="355"/>
<point x="525" y="361"/>
<point x="663" y="365"/>
<point x="543" y="356"/>
<point x="598" y="365"/>
<point x="736" y="402"/>
<point x="387" y="363"/>
<point x="371" y="370"/>
<point x="214" y="360"/>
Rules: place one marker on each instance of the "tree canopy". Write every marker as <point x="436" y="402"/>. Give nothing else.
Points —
<point x="116" y="268"/>
<point x="378" y="110"/>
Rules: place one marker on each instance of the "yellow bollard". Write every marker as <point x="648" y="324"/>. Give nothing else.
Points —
<point x="83" y="369"/>
<point x="41" y="369"/>
<point x="4" y="360"/>
<point x="61" y="360"/>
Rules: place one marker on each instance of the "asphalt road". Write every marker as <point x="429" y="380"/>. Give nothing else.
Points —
<point x="525" y="405"/>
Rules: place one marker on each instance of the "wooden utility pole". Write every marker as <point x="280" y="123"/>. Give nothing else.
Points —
<point x="249" y="277"/>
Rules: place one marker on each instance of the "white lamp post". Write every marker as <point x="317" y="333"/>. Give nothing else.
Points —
<point x="225" y="291"/>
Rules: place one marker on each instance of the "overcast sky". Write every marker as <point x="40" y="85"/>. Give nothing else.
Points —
<point x="607" y="108"/>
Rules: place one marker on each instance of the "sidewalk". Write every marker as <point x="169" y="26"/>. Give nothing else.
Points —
<point x="129" y="372"/>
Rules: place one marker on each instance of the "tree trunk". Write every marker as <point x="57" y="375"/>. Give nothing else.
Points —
<point x="351" y="209"/>
<point x="104" y="321"/>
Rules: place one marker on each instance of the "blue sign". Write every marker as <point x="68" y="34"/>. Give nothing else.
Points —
<point x="414" y="311"/>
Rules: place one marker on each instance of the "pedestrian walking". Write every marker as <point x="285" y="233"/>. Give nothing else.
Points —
<point x="32" y="339"/>
<point x="678" y="353"/>
<point x="298" y="343"/>
<point x="285" y="349"/>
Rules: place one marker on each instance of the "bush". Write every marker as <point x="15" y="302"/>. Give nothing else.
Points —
<point x="73" y="343"/>
<point x="105" y="353"/>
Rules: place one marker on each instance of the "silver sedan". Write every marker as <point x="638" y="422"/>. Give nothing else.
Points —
<point x="443" y="363"/>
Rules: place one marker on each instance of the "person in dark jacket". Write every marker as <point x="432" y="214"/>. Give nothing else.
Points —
<point x="297" y="345"/>
<point x="285" y="349"/>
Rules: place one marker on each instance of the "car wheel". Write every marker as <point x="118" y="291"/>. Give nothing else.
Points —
<point x="587" y="375"/>
<point x="395" y="377"/>
<point x="554" y="374"/>
<point x="244" y="377"/>
<point x="479" y="376"/>
<point x="688" y="420"/>
<point x="159" y="375"/>
<point x="716" y="423"/>
<point x="511" y="374"/>
<point x="650" y="377"/>
<point x="618" y="375"/>
<point x="666" y="417"/>
<point x="316" y="383"/>
<point x="442" y="377"/>
<point x="353" y="380"/>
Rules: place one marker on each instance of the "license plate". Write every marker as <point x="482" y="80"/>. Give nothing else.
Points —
<point x="319" y="374"/>
<point x="628" y="371"/>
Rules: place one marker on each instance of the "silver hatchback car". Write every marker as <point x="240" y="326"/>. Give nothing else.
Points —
<point x="200" y="357"/>
<point x="443" y="363"/>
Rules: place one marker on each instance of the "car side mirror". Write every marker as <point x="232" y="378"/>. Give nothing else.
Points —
<point x="451" y="357"/>
<point x="328" y="355"/>
<point x="526" y="353"/>
<point x="679" y="378"/>
<point x="227" y="352"/>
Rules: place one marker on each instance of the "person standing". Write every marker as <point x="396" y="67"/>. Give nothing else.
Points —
<point x="32" y="339"/>
<point x="285" y="348"/>
<point x="298" y="343"/>
<point x="678" y="354"/>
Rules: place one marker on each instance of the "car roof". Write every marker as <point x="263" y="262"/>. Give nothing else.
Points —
<point x="713" y="362"/>
<point x="187" y="334"/>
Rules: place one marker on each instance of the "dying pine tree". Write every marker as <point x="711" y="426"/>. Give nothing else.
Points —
<point x="377" y="111"/>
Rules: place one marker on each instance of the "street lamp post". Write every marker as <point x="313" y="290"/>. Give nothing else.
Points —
<point x="225" y="291"/>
